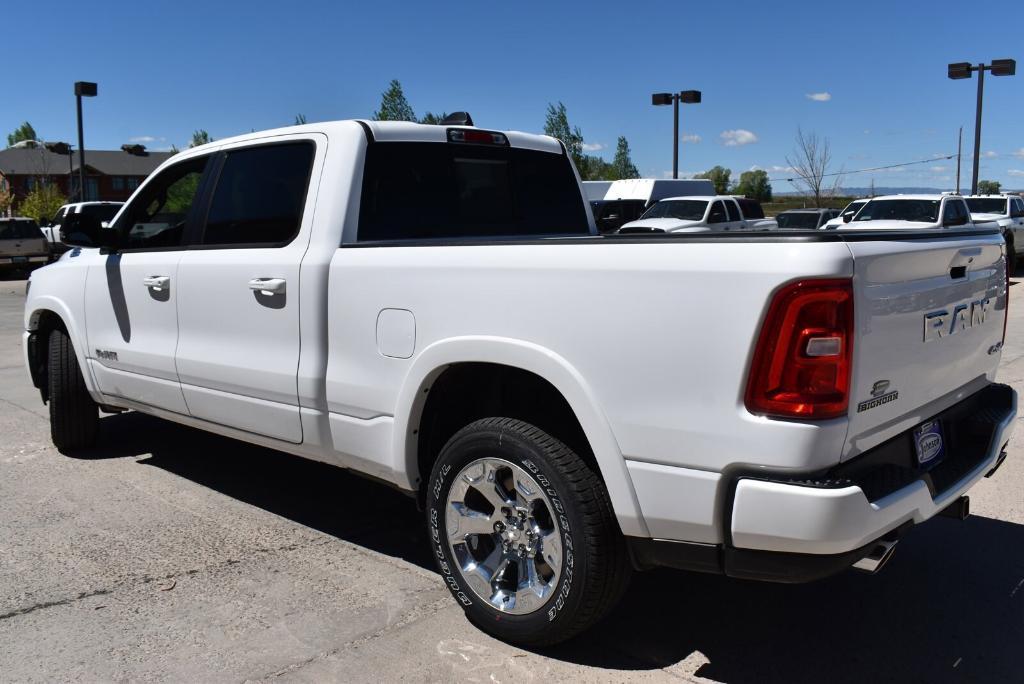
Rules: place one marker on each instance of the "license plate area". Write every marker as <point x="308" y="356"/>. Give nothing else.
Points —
<point x="19" y="259"/>
<point x="929" y="444"/>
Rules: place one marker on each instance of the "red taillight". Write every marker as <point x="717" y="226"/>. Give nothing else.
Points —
<point x="801" y="366"/>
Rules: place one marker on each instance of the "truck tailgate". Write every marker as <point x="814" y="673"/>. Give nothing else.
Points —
<point x="929" y="315"/>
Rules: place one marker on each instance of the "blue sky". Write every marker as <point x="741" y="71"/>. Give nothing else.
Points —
<point x="877" y="71"/>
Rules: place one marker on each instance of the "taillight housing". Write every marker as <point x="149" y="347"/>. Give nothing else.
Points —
<point x="804" y="355"/>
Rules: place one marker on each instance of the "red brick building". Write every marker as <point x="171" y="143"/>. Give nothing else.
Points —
<point x="110" y="175"/>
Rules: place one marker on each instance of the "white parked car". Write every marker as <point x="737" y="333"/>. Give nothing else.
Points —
<point x="916" y="212"/>
<point x="700" y="215"/>
<point x="1007" y="211"/>
<point x="432" y="306"/>
<point x="22" y="245"/>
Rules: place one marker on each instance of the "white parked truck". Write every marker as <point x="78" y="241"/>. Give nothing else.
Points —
<point x="1005" y="210"/>
<point x="701" y="215"/>
<point x="627" y="200"/>
<point x="432" y="306"/>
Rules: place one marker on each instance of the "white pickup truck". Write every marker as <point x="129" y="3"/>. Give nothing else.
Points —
<point x="1008" y="212"/>
<point x="697" y="214"/>
<point x="432" y="306"/>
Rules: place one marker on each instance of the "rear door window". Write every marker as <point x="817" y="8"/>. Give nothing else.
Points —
<point x="415" y="191"/>
<point x="734" y="212"/>
<point x="260" y="195"/>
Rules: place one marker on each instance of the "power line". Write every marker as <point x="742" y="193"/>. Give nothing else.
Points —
<point x="874" y="168"/>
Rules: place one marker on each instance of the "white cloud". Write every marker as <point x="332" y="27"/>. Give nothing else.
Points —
<point x="819" y="97"/>
<point x="593" y="147"/>
<point x="737" y="137"/>
<point x="690" y="138"/>
<point x="1016" y="172"/>
<point x="775" y="168"/>
<point x="1019" y="153"/>
<point x="938" y="169"/>
<point x="989" y="155"/>
<point x="145" y="139"/>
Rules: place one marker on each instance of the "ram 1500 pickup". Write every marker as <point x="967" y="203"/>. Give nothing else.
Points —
<point x="696" y="214"/>
<point x="433" y="307"/>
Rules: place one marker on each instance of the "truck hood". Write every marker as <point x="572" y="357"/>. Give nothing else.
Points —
<point x="668" y="225"/>
<point x="890" y="225"/>
<point x="991" y="220"/>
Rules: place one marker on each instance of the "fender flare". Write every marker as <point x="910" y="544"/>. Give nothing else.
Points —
<point x="51" y="304"/>
<point x="527" y="356"/>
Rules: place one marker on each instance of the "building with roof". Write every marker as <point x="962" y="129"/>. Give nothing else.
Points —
<point x="110" y="175"/>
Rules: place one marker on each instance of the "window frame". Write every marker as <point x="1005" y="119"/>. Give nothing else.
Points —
<point x="711" y="211"/>
<point x="189" y="233"/>
<point x="214" y="171"/>
<point x="732" y="210"/>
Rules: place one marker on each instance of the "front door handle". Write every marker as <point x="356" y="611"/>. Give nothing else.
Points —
<point x="271" y="286"/>
<point x="156" y="282"/>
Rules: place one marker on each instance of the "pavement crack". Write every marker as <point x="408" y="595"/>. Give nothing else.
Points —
<point x="52" y="604"/>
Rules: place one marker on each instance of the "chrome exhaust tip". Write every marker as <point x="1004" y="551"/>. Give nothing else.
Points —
<point x="876" y="558"/>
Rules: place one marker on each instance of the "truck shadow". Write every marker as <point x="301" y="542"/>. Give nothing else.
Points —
<point x="948" y="607"/>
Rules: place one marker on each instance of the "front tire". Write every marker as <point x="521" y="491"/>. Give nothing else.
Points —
<point x="74" y="416"/>
<point x="523" y="533"/>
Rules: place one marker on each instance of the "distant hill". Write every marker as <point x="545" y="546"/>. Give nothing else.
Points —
<point x="863" y="192"/>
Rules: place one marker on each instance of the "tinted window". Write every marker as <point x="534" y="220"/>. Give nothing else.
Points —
<point x="611" y="214"/>
<point x="954" y="213"/>
<point x="717" y="213"/>
<point x="923" y="211"/>
<point x="19" y="230"/>
<point x="1018" y="208"/>
<point x="734" y="212"/>
<point x="450" y="190"/>
<point x="260" y="195"/>
<point x="684" y="210"/>
<point x="104" y="212"/>
<point x="987" y="205"/>
<point x="157" y="216"/>
<point x="798" y="219"/>
<point x="751" y="208"/>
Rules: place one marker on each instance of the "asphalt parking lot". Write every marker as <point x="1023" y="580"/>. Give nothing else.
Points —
<point x="171" y="554"/>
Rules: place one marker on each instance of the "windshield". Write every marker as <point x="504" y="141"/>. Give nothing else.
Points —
<point x="853" y="206"/>
<point x="803" y="219"/>
<point x="104" y="212"/>
<point x="987" y="205"/>
<point x="19" y="230"/>
<point x="918" y="210"/>
<point x="684" y="210"/>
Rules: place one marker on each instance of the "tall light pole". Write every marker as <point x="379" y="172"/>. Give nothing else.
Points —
<point x="686" y="97"/>
<point x="998" y="67"/>
<point x="82" y="89"/>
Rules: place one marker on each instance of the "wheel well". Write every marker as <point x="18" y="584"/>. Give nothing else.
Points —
<point x="38" y="344"/>
<point x="466" y="392"/>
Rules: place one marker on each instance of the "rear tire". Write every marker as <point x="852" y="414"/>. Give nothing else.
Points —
<point x="74" y="416"/>
<point x="523" y="533"/>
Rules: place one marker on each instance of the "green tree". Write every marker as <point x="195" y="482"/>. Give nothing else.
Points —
<point x="434" y="119"/>
<point x="987" y="187"/>
<point x="42" y="203"/>
<point x="755" y="184"/>
<point x="393" y="105"/>
<point x="622" y="164"/>
<point x="200" y="137"/>
<point x="22" y="132"/>
<point x="719" y="176"/>
<point x="556" y="124"/>
<point x="300" y="119"/>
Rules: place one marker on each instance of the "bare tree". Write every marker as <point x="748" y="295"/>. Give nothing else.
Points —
<point x="810" y="161"/>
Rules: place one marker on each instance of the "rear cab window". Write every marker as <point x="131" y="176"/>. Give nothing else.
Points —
<point x="431" y="190"/>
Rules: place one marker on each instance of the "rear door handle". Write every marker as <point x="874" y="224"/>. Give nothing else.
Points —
<point x="156" y="282"/>
<point x="269" y="285"/>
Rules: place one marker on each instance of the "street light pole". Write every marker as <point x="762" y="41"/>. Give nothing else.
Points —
<point x="959" y="148"/>
<point x="977" y="129"/>
<point x="959" y="70"/>
<point x="82" y="89"/>
<point x="686" y="97"/>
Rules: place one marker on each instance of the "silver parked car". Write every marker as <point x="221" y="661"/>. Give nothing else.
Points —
<point x="22" y="244"/>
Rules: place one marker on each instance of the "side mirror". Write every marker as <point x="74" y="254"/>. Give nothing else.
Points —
<point x="848" y="216"/>
<point x="85" y="230"/>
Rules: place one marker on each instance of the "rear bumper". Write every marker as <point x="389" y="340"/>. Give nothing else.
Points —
<point x="783" y="528"/>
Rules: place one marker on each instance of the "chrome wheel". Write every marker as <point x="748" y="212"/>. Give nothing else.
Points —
<point x="504" y="535"/>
